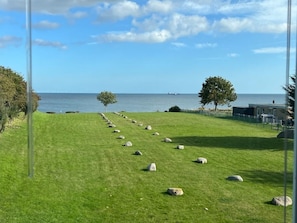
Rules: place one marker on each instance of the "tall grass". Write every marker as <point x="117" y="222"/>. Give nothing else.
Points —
<point x="84" y="174"/>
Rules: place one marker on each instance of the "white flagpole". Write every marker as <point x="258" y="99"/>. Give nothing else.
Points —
<point x="29" y="91"/>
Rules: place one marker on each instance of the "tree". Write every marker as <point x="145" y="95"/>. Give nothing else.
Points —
<point x="290" y="89"/>
<point x="174" y="109"/>
<point x="13" y="96"/>
<point x="106" y="98"/>
<point x="217" y="90"/>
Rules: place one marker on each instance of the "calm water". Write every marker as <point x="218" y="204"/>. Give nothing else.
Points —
<point x="62" y="102"/>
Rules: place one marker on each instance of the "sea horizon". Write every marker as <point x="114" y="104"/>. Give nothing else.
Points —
<point x="143" y="102"/>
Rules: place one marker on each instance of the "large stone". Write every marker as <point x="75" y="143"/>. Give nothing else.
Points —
<point x="282" y="201"/>
<point x="128" y="143"/>
<point x="121" y="137"/>
<point x="138" y="153"/>
<point x="152" y="167"/>
<point x="180" y="146"/>
<point x="201" y="160"/>
<point x="116" y="131"/>
<point x="175" y="191"/>
<point x="148" y="127"/>
<point x="156" y="133"/>
<point x="167" y="140"/>
<point x="235" y="178"/>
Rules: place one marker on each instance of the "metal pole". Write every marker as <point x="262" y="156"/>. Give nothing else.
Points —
<point x="29" y="91"/>
<point x="294" y="198"/>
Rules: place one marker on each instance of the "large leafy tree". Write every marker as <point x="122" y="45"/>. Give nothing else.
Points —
<point x="106" y="98"/>
<point x="13" y="96"/>
<point x="217" y="90"/>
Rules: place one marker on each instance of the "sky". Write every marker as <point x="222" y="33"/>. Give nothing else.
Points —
<point x="149" y="46"/>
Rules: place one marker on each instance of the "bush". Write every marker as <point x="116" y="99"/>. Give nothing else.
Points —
<point x="174" y="109"/>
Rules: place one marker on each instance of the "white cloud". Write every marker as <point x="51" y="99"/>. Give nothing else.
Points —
<point x="44" y="24"/>
<point x="77" y="15"/>
<point x="160" y="29"/>
<point x="272" y="50"/>
<point x="53" y="7"/>
<point x="205" y="45"/>
<point x="178" y="44"/>
<point x="158" y="6"/>
<point x="181" y="25"/>
<point x="232" y="25"/>
<point x="41" y="42"/>
<point x="147" y="37"/>
<point x="6" y="41"/>
<point x="232" y="55"/>
<point x="144" y="20"/>
<point x="118" y="11"/>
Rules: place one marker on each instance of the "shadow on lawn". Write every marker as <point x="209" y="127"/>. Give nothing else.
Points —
<point x="270" y="177"/>
<point x="233" y="142"/>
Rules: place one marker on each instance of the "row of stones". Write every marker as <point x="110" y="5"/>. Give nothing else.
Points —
<point x="279" y="200"/>
<point x="152" y="166"/>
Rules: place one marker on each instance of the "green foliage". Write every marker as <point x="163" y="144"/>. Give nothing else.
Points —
<point x="290" y="89"/>
<point x="83" y="173"/>
<point x="106" y="98"/>
<point x="13" y="95"/>
<point x="217" y="90"/>
<point x="174" y="109"/>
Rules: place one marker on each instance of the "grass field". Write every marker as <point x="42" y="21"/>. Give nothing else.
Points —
<point x="84" y="174"/>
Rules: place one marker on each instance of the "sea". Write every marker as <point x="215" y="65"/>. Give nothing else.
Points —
<point x="88" y="103"/>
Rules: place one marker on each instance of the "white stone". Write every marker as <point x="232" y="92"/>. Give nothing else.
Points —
<point x="121" y="137"/>
<point x="152" y="167"/>
<point x="128" y="143"/>
<point x="175" y="191"/>
<point x="201" y="160"/>
<point x="148" y="127"/>
<point x="235" y="178"/>
<point x="180" y="146"/>
<point x="167" y="140"/>
<point x="281" y="200"/>
<point x="138" y="153"/>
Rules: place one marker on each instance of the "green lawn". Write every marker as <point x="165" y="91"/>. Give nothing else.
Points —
<point x="84" y="174"/>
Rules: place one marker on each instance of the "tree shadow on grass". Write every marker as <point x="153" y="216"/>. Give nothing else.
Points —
<point x="233" y="142"/>
<point x="266" y="177"/>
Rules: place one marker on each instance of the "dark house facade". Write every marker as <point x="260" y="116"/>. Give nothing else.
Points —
<point x="265" y="112"/>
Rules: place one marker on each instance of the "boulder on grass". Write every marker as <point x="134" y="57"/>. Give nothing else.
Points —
<point x="282" y="201"/>
<point x="167" y="140"/>
<point x="116" y="131"/>
<point x="201" y="160"/>
<point x="138" y="153"/>
<point x="156" y="133"/>
<point x="152" y="167"/>
<point x="128" y="143"/>
<point x="235" y="178"/>
<point x="148" y="127"/>
<point x="180" y="146"/>
<point x="175" y="191"/>
<point x="121" y="137"/>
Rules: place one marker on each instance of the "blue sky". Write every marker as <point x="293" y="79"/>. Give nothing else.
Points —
<point x="149" y="46"/>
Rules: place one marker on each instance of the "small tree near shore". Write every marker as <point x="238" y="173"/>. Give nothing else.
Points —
<point x="106" y="98"/>
<point x="217" y="90"/>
